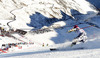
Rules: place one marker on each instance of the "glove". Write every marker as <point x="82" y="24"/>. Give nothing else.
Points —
<point x="71" y="30"/>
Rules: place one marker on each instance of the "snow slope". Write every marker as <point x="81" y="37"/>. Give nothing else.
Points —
<point x="38" y="14"/>
<point x="91" y="52"/>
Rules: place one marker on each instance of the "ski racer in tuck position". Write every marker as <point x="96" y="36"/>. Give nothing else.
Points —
<point x="82" y="37"/>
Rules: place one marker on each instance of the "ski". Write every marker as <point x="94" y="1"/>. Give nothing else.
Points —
<point x="53" y="49"/>
<point x="56" y="49"/>
<point x="79" y="48"/>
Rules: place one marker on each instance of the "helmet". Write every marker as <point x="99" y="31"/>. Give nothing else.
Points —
<point x="75" y="26"/>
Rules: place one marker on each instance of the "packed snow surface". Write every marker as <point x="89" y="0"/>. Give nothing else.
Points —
<point x="54" y="18"/>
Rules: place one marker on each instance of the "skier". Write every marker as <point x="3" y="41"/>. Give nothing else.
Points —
<point x="81" y="37"/>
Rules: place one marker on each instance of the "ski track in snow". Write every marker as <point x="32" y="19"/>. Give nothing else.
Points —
<point x="45" y="52"/>
<point x="56" y="54"/>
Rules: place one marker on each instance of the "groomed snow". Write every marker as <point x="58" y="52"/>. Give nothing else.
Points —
<point x="21" y="10"/>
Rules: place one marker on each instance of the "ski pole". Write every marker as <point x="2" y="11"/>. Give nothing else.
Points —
<point x="87" y="27"/>
<point x="80" y="28"/>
